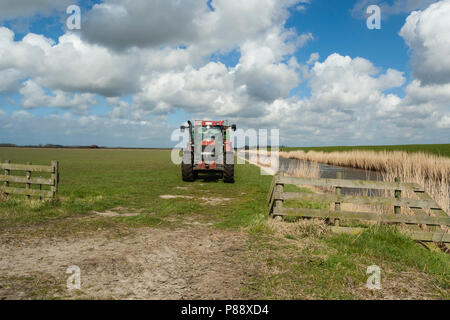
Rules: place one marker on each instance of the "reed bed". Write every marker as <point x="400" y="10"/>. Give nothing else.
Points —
<point x="304" y="170"/>
<point x="430" y="171"/>
<point x="409" y="169"/>
<point x="266" y="161"/>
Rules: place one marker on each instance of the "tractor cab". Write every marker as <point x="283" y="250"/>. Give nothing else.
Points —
<point x="209" y="150"/>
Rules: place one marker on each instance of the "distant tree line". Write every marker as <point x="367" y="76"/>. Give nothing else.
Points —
<point x="260" y="147"/>
<point x="94" y="146"/>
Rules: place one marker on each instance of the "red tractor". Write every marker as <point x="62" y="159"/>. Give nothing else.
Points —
<point x="209" y="150"/>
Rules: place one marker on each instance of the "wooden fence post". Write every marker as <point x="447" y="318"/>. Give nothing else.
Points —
<point x="28" y="185"/>
<point x="438" y="212"/>
<point x="398" y="194"/>
<point x="337" y="205"/>
<point x="279" y="188"/>
<point x="7" y="172"/>
<point x="55" y="175"/>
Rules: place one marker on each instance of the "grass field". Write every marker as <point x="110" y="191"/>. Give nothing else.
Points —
<point x="437" y="149"/>
<point x="122" y="215"/>
<point x="98" y="180"/>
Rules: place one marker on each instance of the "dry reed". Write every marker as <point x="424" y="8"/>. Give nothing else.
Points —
<point x="304" y="170"/>
<point x="311" y="227"/>
<point x="430" y="171"/>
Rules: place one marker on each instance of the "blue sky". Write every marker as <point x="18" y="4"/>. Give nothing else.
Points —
<point x="335" y="30"/>
<point x="239" y="63"/>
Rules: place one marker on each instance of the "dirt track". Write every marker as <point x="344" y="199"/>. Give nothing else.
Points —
<point x="196" y="262"/>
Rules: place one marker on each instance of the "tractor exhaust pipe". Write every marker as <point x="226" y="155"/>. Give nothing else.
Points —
<point x="190" y="127"/>
<point x="182" y="128"/>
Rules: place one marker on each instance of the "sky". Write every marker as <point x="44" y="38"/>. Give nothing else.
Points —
<point x="136" y="70"/>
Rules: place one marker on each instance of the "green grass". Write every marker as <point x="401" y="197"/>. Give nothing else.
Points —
<point x="291" y="266"/>
<point x="437" y="149"/>
<point x="99" y="180"/>
<point x="334" y="266"/>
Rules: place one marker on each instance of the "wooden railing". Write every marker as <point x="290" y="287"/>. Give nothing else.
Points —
<point x="277" y="196"/>
<point x="8" y="178"/>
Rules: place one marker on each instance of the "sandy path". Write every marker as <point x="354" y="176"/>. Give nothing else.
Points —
<point x="196" y="262"/>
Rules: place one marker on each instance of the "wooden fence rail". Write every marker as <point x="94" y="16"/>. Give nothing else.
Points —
<point x="7" y="178"/>
<point x="277" y="197"/>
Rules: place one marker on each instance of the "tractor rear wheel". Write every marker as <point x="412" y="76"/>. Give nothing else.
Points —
<point x="228" y="173"/>
<point x="187" y="172"/>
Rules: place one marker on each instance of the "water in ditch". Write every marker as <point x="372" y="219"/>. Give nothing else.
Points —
<point x="330" y="171"/>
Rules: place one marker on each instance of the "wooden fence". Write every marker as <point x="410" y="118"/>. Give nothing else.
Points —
<point x="277" y="196"/>
<point x="28" y="191"/>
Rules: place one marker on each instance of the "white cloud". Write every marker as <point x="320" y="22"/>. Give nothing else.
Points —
<point x="389" y="8"/>
<point x="234" y="22"/>
<point x="207" y="89"/>
<point x="27" y="8"/>
<point x="259" y="78"/>
<point x="444" y="122"/>
<point x="122" y="24"/>
<point x="34" y="96"/>
<point x="346" y="93"/>
<point x="75" y="66"/>
<point x="313" y="58"/>
<point x="70" y="65"/>
<point x="147" y="69"/>
<point x="418" y="93"/>
<point x="387" y="106"/>
<point x="261" y="72"/>
<point x="348" y="84"/>
<point x="9" y="80"/>
<point x="126" y="23"/>
<point x="427" y="33"/>
<point x="423" y="105"/>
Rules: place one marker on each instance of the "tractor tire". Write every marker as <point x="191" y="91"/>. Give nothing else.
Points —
<point x="228" y="173"/>
<point x="187" y="172"/>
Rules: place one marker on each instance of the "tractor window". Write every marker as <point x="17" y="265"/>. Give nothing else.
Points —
<point x="211" y="131"/>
